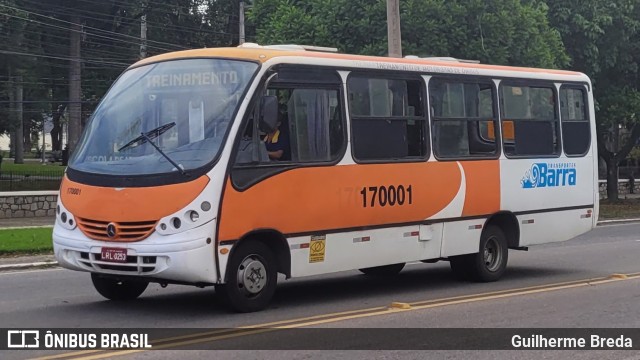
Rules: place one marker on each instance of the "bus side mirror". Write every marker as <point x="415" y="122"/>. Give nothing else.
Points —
<point x="269" y="113"/>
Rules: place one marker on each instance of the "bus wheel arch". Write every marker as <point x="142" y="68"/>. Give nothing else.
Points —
<point x="499" y="233"/>
<point x="275" y="241"/>
<point x="508" y="223"/>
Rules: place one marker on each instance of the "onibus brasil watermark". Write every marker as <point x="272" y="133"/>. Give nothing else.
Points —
<point x="41" y="339"/>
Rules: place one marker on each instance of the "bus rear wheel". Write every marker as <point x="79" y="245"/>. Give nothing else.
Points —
<point x="487" y="265"/>
<point x="251" y="278"/>
<point x="386" y="270"/>
<point x="118" y="290"/>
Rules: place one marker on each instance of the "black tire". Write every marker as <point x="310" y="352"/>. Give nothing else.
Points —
<point x="489" y="263"/>
<point x="252" y="294"/>
<point x="386" y="270"/>
<point x="491" y="268"/>
<point x="118" y="290"/>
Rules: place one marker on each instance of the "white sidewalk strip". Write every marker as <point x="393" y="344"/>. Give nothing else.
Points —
<point x="27" y="265"/>
<point x="617" y="221"/>
<point x="26" y="227"/>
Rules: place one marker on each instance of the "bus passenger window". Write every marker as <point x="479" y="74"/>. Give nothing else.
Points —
<point x="315" y="125"/>
<point x="463" y="119"/>
<point x="576" y="133"/>
<point x="532" y="112"/>
<point x="388" y="120"/>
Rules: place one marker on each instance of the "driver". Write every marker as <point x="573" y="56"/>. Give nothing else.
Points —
<point x="277" y="143"/>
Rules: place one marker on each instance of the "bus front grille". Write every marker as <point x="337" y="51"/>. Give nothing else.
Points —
<point x="133" y="264"/>
<point x="116" y="231"/>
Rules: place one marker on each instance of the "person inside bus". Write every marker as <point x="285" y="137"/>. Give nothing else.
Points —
<point x="277" y="143"/>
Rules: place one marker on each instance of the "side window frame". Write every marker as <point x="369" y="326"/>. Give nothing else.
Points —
<point x="497" y="142"/>
<point x="556" y="111"/>
<point x="384" y="75"/>
<point x="587" y="117"/>
<point x="340" y="98"/>
<point x="245" y="175"/>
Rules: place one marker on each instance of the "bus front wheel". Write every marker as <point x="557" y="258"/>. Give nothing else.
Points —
<point x="251" y="278"/>
<point x="487" y="265"/>
<point x="119" y="290"/>
<point x="386" y="270"/>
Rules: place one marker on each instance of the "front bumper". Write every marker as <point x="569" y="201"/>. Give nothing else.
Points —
<point x="187" y="257"/>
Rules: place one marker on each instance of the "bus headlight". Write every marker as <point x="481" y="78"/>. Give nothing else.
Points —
<point x="64" y="218"/>
<point x="197" y="213"/>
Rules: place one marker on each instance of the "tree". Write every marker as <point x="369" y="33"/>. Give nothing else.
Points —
<point x="109" y="31"/>
<point x="510" y="32"/>
<point x="603" y="39"/>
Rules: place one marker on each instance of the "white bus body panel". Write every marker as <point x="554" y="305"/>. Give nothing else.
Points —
<point x="542" y="228"/>
<point x="461" y="237"/>
<point x="363" y="249"/>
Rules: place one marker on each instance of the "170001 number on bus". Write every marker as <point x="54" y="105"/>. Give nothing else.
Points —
<point x="382" y="196"/>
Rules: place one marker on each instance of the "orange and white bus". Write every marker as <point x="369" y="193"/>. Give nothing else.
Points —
<point x="226" y="167"/>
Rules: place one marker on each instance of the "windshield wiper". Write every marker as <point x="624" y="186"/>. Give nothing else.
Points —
<point x="150" y="135"/>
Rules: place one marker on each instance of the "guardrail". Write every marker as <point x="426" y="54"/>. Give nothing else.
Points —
<point x="30" y="180"/>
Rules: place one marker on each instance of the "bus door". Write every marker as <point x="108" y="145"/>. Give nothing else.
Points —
<point x="285" y="178"/>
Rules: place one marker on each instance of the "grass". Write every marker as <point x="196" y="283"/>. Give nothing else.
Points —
<point x="26" y="241"/>
<point x="621" y="209"/>
<point x="33" y="167"/>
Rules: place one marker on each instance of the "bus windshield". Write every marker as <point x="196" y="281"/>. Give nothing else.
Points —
<point x="198" y="96"/>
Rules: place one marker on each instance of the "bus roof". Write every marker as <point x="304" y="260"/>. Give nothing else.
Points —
<point x="263" y="54"/>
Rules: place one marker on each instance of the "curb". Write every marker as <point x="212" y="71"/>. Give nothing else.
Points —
<point x="26" y="227"/>
<point x="617" y="221"/>
<point x="27" y="266"/>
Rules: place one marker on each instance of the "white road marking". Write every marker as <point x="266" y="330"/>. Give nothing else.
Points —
<point x="28" y="271"/>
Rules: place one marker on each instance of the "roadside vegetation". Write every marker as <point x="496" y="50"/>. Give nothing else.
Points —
<point x="621" y="209"/>
<point x="30" y="176"/>
<point x="25" y="241"/>
<point x="32" y="167"/>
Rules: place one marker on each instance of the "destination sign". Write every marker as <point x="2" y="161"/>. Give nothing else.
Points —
<point x="203" y="78"/>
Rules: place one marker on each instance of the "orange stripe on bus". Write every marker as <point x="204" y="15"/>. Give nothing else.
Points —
<point x="323" y="198"/>
<point x="483" y="187"/>
<point x="128" y="204"/>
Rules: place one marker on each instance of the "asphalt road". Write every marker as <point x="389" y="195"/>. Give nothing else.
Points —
<point x="62" y="298"/>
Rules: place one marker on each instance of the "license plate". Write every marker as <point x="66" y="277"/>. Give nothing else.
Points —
<point x="118" y="255"/>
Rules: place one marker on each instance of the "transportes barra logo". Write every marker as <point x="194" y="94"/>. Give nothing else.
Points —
<point x="549" y="175"/>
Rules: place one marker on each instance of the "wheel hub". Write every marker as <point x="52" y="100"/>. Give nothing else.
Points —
<point x="492" y="254"/>
<point x="252" y="275"/>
